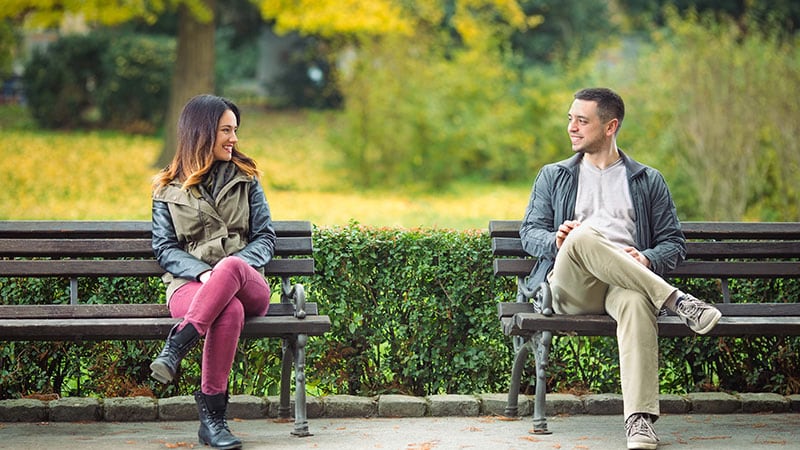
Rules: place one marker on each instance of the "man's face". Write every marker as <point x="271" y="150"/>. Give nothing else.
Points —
<point x="588" y="133"/>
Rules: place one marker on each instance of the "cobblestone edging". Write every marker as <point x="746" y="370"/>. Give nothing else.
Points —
<point x="138" y="409"/>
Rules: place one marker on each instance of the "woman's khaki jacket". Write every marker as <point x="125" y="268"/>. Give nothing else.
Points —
<point x="192" y="232"/>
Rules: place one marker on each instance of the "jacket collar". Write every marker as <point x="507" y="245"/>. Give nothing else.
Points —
<point x="632" y="166"/>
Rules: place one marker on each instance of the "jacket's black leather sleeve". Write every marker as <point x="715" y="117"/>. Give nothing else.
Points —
<point x="168" y="251"/>
<point x="261" y="242"/>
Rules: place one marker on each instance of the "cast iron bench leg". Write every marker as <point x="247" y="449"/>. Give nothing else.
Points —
<point x="300" y="413"/>
<point x="294" y="354"/>
<point x="520" y="358"/>
<point x="542" y="341"/>
<point x="286" y="376"/>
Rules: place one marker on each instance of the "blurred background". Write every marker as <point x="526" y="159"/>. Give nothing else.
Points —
<point x="398" y="113"/>
<point x="399" y="128"/>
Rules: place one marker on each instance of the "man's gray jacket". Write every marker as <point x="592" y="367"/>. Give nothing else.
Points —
<point x="658" y="231"/>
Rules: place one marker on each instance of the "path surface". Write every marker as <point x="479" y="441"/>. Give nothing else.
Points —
<point x="585" y="432"/>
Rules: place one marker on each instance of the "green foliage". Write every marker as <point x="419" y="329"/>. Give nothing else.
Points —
<point x="709" y="102"/>
<point x="128" y="89"/>
<point x="137" y="72"/>
<point x="8" y="45"/>
<point x="569" y="29"/>
<point x="722" y="106"/>
<point x="59" y="81"/>
<point x="413" y="312"/>
<point x="417" y="115"/>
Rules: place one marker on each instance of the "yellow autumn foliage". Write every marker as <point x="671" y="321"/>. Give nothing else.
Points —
<point x="106" y="176"/>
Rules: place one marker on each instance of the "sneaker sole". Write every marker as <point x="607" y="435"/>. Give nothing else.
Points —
<point x="161" y="373"/>
<point x="712" y="324"/>
<point x="642" y="446"/>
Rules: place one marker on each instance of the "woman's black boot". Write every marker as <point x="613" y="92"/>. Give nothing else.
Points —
<point x="214" y="429"/>
<point x="177" y="346"/>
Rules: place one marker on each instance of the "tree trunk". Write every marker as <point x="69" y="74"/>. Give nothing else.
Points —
<point x="194" y="72"/>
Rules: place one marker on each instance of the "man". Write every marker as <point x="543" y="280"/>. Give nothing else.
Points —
<point x="604" y="229"/>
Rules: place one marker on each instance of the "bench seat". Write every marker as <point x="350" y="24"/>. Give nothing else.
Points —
<point x="89" y="249"/>
<point x="717" y="250"/>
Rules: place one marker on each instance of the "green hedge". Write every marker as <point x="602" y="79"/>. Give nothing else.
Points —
<point x="413" y="311"/>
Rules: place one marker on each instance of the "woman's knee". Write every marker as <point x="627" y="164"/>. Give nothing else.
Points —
<point x="232" y="314"/>
<point x="231" y="263"/>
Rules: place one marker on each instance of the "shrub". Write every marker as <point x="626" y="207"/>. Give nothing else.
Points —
<point x="413" y="312"/>
<point x="60" y="81"/>
<point x="418" y="114"/>
<point x="101" y="79"/>
<point x="137" y="75"/>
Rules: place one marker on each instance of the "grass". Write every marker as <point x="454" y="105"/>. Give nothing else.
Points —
<point x="101" y="175"/>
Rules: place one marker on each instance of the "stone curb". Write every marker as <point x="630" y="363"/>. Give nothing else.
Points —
<point x="144" y="409"/>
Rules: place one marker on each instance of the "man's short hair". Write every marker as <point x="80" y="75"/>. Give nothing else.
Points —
<point x="609" y="103"/>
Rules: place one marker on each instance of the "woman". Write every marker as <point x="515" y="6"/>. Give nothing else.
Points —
<point x="212" y="234"/>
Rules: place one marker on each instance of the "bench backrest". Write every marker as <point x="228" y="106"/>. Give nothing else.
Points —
<point x="714" y="250"/>
<point x="76" y="249"/>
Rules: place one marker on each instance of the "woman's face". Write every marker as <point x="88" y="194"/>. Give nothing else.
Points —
<point x="226" y="136"/>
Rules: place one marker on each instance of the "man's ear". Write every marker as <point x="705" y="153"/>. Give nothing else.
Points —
<point x="612" y="126"/>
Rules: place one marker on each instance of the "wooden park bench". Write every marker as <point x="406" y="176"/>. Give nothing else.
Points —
<point x="718" y="250"/>
<point x="78" y="249"/>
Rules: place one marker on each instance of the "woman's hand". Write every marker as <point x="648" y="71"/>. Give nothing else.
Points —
<point x="204" y="276"/>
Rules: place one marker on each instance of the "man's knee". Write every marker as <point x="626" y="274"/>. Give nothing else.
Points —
<point x="581" y="237"/>
<point x="630" y="306"/>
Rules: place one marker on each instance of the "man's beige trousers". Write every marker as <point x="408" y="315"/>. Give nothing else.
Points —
<point x="591" y="275"/>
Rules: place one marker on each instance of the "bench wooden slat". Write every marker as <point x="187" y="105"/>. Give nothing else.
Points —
<point x="119" y="310"/>
<point x="603" y="325"/>
<point x="506" y="246"/>
<point x="741" y="230"/>
<point x="504" y="228"/>
<point x="146" y="328"/>
<point x="27" y="229"/>
<point x="689" y="269"/>
<point x="508" y="309"/>
<point x="123" y="268"/>
<point x="126" y="247"/>
<point x="692" y="230"/>
<point x="724" y="269"/>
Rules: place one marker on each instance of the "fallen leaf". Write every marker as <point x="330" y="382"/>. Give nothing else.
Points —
<point x="508" y="419"/>
<point x="422" y="446"/>
<point x="708" y="438"/>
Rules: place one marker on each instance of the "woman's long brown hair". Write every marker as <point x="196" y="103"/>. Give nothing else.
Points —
<point x="197" y="134"/>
